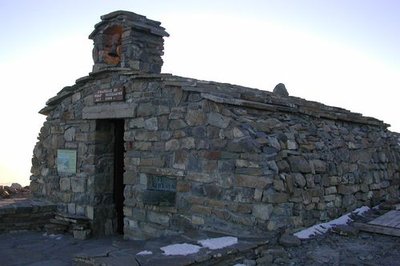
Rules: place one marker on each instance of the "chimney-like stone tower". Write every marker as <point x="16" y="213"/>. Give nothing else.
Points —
<point x="127" y="40"/>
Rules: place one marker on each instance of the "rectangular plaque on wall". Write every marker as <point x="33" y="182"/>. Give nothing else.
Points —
<point x="161" y="191"/>
<point x="110" y="95"/>
<point x="66" y="161"/>
<point x="161" y="183"/>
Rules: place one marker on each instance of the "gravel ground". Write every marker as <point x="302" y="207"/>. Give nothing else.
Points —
<point x="331" y="249"/>
<point x="345" y="245"/>
<point x="334" y="249"/>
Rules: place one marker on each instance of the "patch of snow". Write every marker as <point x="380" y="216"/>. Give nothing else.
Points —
<point x="144" y="252"/>
<point x="180" y="249"/>
<point x="56" y="237"/>
<point x="322" y="228"/>
<point x="361" y="210"/>
<point x="219" y="242"/>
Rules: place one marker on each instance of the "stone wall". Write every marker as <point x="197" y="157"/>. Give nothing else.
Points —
<point x="211" y="156"/>
<point x="249" y="171"/>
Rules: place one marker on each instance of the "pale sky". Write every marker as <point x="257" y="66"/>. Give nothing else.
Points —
<point x="344" y="53"/>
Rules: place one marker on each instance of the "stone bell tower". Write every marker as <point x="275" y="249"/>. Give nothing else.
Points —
<point x="127" y="40"/>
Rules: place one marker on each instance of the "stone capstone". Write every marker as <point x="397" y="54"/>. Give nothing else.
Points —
<point x="280" y="89"/>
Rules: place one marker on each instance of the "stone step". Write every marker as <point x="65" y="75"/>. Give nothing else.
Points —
<point x="127" y="254"/>
<point x="18" y="214"/>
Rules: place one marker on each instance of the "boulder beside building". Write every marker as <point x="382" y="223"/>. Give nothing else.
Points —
<point x="147" y="154"/>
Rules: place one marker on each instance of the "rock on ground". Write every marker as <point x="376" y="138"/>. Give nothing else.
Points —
<point x="14" y="191"/>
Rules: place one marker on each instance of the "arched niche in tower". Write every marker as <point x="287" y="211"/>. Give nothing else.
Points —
<point x="112" y="44"/>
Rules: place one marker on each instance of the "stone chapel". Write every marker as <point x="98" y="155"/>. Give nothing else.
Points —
<point x="134" y="151"/>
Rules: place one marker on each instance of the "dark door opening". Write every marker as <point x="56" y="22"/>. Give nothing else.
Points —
<point x="119" y="151"/>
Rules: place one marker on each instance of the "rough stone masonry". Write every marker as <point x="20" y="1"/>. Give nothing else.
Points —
<point x="147" y="154"/>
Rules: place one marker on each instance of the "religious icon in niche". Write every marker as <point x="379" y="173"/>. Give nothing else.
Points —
<point x="66" y="161"/>
<point x="111" y="52"/>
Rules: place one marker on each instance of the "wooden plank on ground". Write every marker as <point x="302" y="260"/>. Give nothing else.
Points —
<point x="377" y="229"/>
<point x="389" y="219"/>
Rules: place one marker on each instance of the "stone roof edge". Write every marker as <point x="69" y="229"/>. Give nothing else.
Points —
<point x="61" y="95"/>
<point x="350" y="117"/>
<point x="230" y="94"/>
<point x="264" y="100"/>
<point x="69" y="90"/>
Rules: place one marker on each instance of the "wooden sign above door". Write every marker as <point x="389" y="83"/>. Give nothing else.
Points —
<point x="110" y="95"/>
